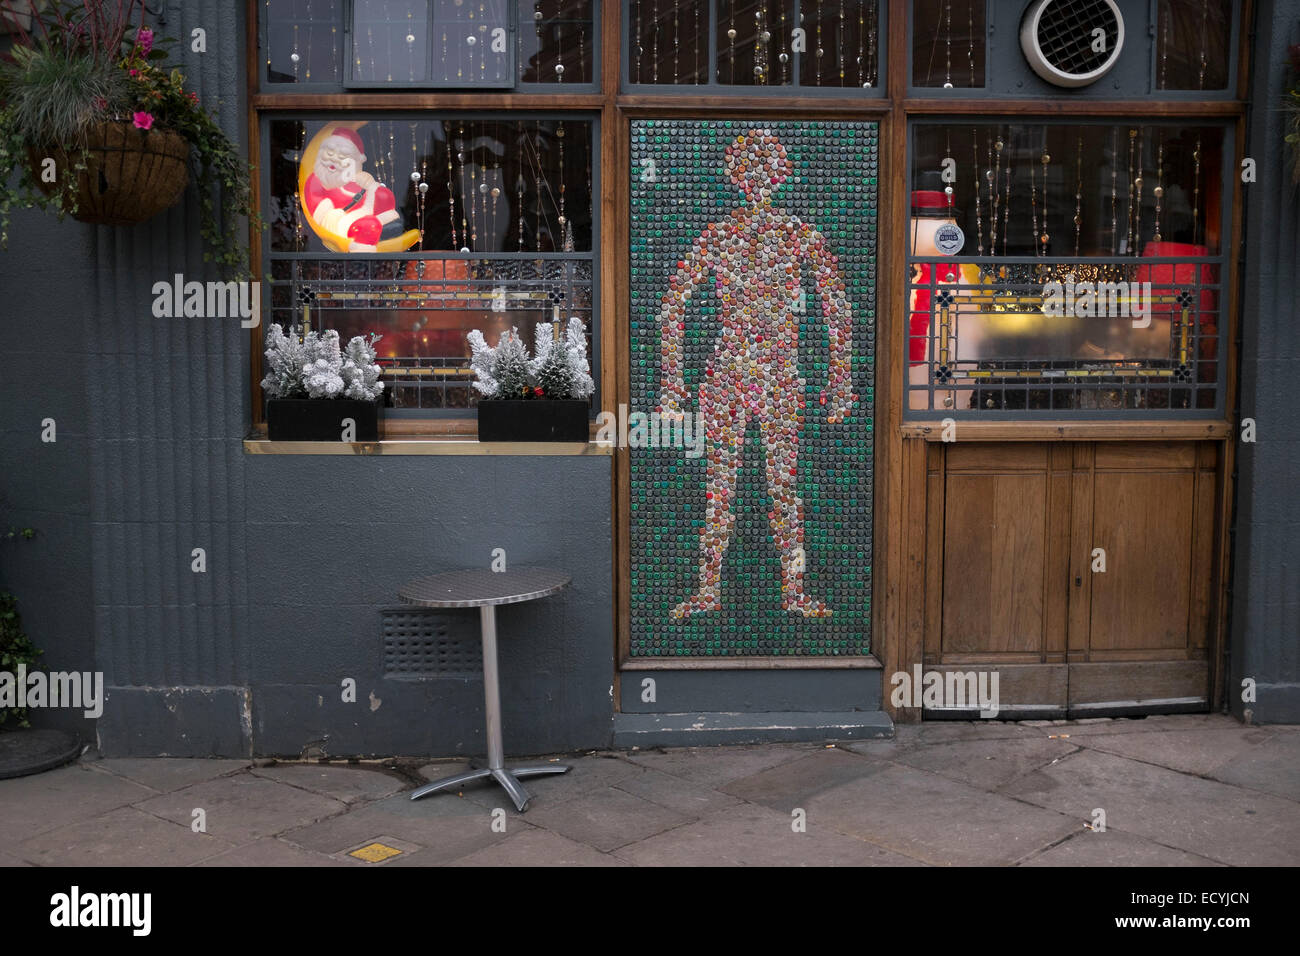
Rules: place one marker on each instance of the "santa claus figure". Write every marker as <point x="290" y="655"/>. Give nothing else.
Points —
<point x="346" y="200"/>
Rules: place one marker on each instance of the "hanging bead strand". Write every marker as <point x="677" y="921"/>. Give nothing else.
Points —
<point x="1137" y="213"/>
<point x="979" y="222"/>
<point x="451" y="192"/>
<point x="947" y="11"/>
<point x="1046" y="160"/>
<point x="1114" y="193"/>
<point x="1159" y="191"/>
<point x="1078" y="197"/>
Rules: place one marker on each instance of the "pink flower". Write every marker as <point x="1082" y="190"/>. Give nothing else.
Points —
<point x="134" y="72"/>
<point x="144" y="40"/>
<point x="143" y="120"/>
<point x="194" y="97"/>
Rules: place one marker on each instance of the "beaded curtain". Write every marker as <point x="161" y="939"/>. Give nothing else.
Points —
<point x="753" y="297"/>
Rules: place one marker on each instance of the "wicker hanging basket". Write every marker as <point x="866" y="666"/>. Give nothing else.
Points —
<point x="131" y="174"/>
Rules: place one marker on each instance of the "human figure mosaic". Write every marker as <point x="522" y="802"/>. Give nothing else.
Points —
<point x="753" y="292"/>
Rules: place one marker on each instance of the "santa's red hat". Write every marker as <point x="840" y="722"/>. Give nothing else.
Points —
<point x="352" y="137"/>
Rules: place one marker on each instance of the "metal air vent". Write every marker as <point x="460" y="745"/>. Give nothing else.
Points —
<point x="1072" y="43"/>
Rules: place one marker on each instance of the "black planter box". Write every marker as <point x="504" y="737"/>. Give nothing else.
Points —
<point x="541" y="419"/>
<point x="320" y="419"/>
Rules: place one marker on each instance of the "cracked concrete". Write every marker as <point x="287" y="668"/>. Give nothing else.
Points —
<point x="1194" y="790"/>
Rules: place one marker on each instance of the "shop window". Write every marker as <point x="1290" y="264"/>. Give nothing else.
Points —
<point x="1071" y="269"/>
<point x="1193" y="41"/>
<point x="473" y="44"/>
<point x="457" y="223"/>
<point x="818" y="44"/>
<point x="948" y="44"/>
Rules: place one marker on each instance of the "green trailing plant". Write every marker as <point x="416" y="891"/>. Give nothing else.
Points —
<point x="81" y="64"/>
<point x="1291" y="112"/>
<point x="16" y="648"/>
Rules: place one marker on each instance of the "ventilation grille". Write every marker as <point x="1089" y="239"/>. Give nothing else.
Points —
<point x="419" y="643"/>
<point x="1072" y="42"/>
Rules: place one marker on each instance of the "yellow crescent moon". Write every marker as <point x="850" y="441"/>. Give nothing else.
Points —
<point x="333" y="241"/>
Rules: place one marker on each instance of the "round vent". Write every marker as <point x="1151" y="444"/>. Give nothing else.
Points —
<point x="1072" y="42"/>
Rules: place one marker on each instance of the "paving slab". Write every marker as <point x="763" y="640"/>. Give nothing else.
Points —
<point x="607" y="819"/>
<point x="1113" y="848"/>
<point x="1221" y="822"/>
<point x="437" y="769"/>
<point x="30" y="805"/>
<point x="1273" y="767"/>
<point x="715" y="766"/>
<point x="793" y="783"/>
<point x="166" y="774"/>
<point x="749" y="835"/>
<point x="244" y="807"/>
<point x="535" y="847"/>
<point x="909" y="737"/>
<point x="342" y="782"/>
<point x="123" y="837"/>
<point x="1199" y="752"/>
<point x="445" y="827"/>
<point x="675" y="793"/>
<point x="987" y="764"/>
<point x="270" y="851"/>
<point x="1138" y="725"/>
<point x="940" y="821"/>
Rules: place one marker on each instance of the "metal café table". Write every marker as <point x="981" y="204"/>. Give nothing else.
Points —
<point x="485" y="589"/>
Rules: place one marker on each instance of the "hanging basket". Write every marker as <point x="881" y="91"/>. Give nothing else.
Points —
<point x="131" y="174"/>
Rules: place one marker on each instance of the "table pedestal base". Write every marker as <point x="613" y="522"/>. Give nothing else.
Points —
<point x="502" y="775"/>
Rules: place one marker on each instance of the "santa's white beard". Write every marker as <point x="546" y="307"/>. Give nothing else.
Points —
<point x="334" y="178"/>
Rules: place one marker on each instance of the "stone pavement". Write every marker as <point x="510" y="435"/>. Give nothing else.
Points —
<point x="1179" y="791"/>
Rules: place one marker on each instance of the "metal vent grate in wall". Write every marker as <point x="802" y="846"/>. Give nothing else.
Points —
<point x="1072" y="43"/>
<point x="422" y="643"/>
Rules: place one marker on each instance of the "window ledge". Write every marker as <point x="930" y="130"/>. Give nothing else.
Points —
<point x="1028" y="430"/>
<point x="425" y="446"/>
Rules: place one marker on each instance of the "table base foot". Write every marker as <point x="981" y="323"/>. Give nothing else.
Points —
<point x="532" y="770"/>
<point x="447" y="782"/>
<point x="505" y="776"/>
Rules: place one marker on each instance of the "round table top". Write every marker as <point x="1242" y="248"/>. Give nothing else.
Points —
<point x="480" y="586"/>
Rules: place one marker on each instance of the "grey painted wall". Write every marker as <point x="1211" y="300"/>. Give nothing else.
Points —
<point x="1265" y="643"/>
<point x="301" y="551"/>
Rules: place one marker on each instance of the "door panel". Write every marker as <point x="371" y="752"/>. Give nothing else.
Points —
<point x="994" y="550"/>
<point x="1009" y="553"/>
<point x="1143" y="522"/>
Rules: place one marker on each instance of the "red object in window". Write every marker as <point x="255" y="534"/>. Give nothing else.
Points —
<point x="1170" y="278"/>
<point x="918" y="323"/>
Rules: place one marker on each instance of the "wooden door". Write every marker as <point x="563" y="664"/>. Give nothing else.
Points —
<point x="1015" y="532"/>
<point x="1141" y="626"/>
